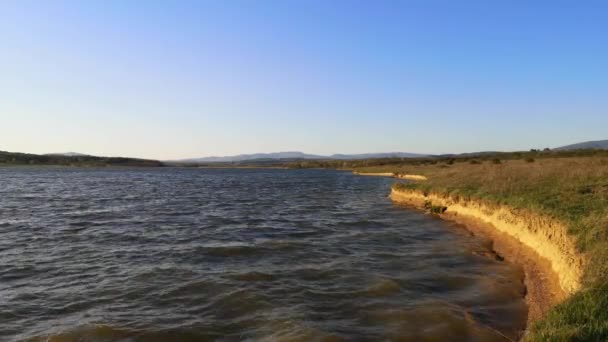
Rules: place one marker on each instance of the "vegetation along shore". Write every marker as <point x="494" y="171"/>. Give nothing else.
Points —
<point x="556" y="206"/>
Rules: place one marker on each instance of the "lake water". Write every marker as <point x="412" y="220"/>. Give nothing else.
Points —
<point x="185" y="254"/>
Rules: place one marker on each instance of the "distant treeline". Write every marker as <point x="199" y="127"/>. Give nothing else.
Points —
<point x="253" y="163"/>
<point x="494" y="157"/>
<point x="12" y="158"/>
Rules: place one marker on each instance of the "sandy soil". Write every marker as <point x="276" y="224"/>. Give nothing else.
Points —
<point x="552" y="267"/>
<point x="390" y="174"/>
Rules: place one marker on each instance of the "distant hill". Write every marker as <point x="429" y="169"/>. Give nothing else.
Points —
<point x="13" y="158"/>
<point x="69" y="154"/>
<point x="469" y="154"/>
<point x="593" y="145"/>
<point x="255" y="156"/>
<point x="294" y="155"/>
<point x="377" y="155"/>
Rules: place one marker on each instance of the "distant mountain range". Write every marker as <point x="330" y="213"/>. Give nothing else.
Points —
<point x="595" y="145"/>
<point x="245" y="157"/>
<point x="295" y="155"/>
<point x="377" y="155"/>
<point x="298" y="155"/>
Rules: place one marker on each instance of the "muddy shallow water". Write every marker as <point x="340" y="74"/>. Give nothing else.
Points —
<point x="173" y="254"/>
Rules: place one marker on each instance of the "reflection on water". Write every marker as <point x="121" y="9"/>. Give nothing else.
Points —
<point x="273" y="255"/>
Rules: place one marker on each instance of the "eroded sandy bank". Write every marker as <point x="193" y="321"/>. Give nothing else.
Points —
<point x="553" y="268"/>
<point x="391" y="174"/>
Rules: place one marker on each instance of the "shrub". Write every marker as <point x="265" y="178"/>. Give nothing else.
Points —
<point x="529" y="160"/>
<point x="434" y="209"/>
<point x="438" y="209"/>
<point x="428" y="204"/>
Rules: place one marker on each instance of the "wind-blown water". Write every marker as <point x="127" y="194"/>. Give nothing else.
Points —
<point x="222" y="254"/>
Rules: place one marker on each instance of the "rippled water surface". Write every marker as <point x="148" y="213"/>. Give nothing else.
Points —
<point x="223" y="254"/>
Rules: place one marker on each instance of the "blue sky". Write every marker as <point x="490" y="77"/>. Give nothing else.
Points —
<point x="177" y="79"/>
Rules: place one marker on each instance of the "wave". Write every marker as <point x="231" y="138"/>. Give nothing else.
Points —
<point x="106" y="333"/>
<point x="383" y="287"/>
<point x="253" y="276"/>
<point x="227" y="251"/>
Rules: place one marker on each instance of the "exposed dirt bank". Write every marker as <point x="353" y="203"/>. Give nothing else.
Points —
<point x="411" y="177"/>
<point x="377" y="174"/>
<point x="390" y="174"/>
<point x="553" y="268"/>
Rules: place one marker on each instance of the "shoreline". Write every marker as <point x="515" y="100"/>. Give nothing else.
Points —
<point x="238" y="167"/>
<point x="552" y="267"/>
<point x="392" y="175"/>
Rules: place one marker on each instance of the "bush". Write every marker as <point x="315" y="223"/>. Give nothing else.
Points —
<point x="529" y="160"/>
<point x="496" y="161"/>
<point x="474" y="162"/>
<point x="438" y="209"/>
<point x="434" y="209"/>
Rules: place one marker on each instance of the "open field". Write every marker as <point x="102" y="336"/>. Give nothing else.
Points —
<point x="572" y="190"/>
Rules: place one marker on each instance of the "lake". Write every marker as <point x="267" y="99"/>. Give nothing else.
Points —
<point x="189" y="254"/>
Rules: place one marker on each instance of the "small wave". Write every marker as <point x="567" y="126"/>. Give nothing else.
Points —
<point x="238" y="304"/>
<point x="383" y="287"/>
<point x="106" y="333"/>
<point x="193" y="288"/>
<point x="305" y="233"/>
<point x="12" y="221"/>
<point x="294" y="331"/>
<point x="321" y="271"/>
<point x="87" y="212"/>
<point x="490" y="254"/>
<point x="284" y="244"/>
<point x="253" y="276"/>
<point x="456" y="282"/>
<point x="231" y="249"/>
<point x="227" y="251"/>
<point x="433" y="322"/>
<point x="366" y="224"/>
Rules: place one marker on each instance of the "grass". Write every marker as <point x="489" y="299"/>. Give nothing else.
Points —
<point x="573" y="190"/>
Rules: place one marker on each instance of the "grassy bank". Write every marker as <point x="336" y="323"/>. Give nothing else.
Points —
<point x="573" y="190"/>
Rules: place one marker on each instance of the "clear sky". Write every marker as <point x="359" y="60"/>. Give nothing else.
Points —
<point x="176" y="79"/>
